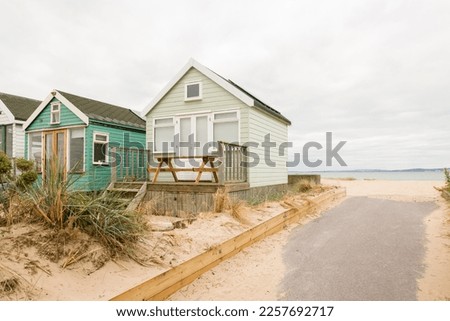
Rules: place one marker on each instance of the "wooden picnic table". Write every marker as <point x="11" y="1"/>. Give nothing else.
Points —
<point x="168" y="159"/>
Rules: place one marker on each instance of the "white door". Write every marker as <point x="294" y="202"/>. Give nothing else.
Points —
<point x="194" y="134"/>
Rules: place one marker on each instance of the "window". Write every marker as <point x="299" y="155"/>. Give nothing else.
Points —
<point x="100" y="153"/>
<point x="193" y="91"/>
<point x="9" y="140"/>
<point x="226" y="127"/>
<point x="76" y="150"/>
<point x="164" y="131"/>
<point x="6" y="139"/>
<point x="35" y="150"/>
<point x="55" y="113"/>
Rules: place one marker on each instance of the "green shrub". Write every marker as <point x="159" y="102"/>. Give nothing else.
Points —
<point x="26" y="179"/>
<point x="24" y="165"/>
<point x="5" y="167"/>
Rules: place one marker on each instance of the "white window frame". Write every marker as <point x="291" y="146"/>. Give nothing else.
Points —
<point x="170" y="148"/>
<point x="57" y="111"/>
<point x="228" y="120"/>
<point x="94" y="141"/>
<point x="30" y="145"/>
<point x="193" y="120"/>
<point x="200" y="91"/>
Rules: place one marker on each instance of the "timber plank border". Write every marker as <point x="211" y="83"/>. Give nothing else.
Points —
<point x="165" y="284"/>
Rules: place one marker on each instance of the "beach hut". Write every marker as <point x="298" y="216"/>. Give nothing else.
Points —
<point x="206" y="132"/>
<point x="14" y="111"/>
<point x="80" y="133"/>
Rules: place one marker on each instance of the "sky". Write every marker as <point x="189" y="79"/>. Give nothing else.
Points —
<point x="375" y="74"/>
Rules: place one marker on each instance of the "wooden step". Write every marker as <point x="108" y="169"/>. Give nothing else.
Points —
<point x="125" y="190"/>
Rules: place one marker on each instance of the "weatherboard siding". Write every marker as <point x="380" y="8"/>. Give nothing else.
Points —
<point x="18" y="141"/>
<point x="67" y="118"/>
<point x="254" y="124"/>
<point x="262" y="124"/>
<point x="97" y="177"/>
<point x="214" y="99"/>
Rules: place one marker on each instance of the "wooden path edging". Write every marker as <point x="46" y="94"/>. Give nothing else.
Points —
<point x="165" y="284"/>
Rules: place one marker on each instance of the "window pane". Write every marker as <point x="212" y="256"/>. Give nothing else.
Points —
<point x="201" y="134"/>
<point x="226" y="132"/>
<point x="100" y="138"/>
<point x="193" y="90"/>
<point x="163" y="134"/>
<point x="9" y="140"/>
<point x="55" y="117"/>
<point x="185" y="132"/>
<point x="76" y="147"/>
<point x="2" y="145"/>
<point x="100" y="152"/>
<point x="232" y="115"/>
<point x="35" y="150"/>
<point x="164" y="121"/>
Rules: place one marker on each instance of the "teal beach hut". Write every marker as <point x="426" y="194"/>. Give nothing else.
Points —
<point x="80" y="133"/>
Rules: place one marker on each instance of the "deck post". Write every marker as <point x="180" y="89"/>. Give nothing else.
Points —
<point x="114" y="166"/>
<point x="222" y="158"/>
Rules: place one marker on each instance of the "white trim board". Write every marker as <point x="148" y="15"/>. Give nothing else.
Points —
<point x="208" y="73"/>
<point x="61" y="98"/>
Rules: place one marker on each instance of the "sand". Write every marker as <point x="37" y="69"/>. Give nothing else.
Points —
<point x="256" y="273"/>
<point x="253" y="274"/>
<point x="25" y="256"/>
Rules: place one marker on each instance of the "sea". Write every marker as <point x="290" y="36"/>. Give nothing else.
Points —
<point x="393" y="175"/>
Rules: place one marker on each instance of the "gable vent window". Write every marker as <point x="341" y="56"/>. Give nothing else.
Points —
<point x="193" y="91"/>
<point x="55" y="113"/>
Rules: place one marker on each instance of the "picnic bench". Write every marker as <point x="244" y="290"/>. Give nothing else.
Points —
<point x="168" y="161"/>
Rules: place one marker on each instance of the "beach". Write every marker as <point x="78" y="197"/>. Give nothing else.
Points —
<point x="257" y="272"/>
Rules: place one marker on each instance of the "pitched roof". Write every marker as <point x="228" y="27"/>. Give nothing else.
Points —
<point x="260" y="104"/>
<point x="20" y="107"/>
<point x="227" y="84"/>
<point x="101" y="111"/>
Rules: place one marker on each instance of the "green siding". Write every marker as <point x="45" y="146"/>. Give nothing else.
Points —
<point x="97" y="177"/>
<point x="68" y="118"/>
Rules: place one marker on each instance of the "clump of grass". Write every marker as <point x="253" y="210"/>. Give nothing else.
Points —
<point x="101" y="215"/>
<point x="50" y="197"/>
<point x="304" y="185"/>
<point x="221" y="199"/>
<point x="236" y="207"/>
<point x="105" y="217"/>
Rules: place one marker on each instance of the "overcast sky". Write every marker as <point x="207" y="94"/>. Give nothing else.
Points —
<point x="375" y="73"/>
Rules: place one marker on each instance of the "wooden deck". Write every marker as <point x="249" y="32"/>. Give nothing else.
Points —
<point x="193" y="187"/>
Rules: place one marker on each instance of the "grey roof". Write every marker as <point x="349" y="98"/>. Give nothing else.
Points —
<point x="20" y="107"/>
<point x="258" y="102"/>
<point x="101" y="111"/>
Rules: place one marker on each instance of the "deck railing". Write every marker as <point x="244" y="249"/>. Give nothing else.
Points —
<point x="132" y="164"/>
<point x="128" y="164"/>
<point x="234" y="168"/>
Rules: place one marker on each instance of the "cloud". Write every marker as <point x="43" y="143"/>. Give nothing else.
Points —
<point x="375" y="73"/>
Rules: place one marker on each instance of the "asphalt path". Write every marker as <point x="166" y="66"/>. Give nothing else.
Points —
<point x="363" y="249"/>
